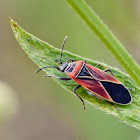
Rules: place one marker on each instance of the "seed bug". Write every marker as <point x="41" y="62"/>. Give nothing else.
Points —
<point x="97" y="82"/>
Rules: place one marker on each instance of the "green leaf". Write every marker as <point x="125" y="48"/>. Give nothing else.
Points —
<point x="107" y="37"/>
<point x="44" y="54"/>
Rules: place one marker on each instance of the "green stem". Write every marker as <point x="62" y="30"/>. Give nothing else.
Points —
<point x="99" y="28"/>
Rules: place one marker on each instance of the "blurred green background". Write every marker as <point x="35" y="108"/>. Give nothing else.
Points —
<point x="34" y="108"/>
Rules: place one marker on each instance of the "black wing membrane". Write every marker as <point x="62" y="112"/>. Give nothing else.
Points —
<point x="118" y="92"/>
<point x="84" y="72"/>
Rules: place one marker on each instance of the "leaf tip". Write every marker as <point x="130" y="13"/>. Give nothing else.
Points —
<point x="13" y="23"/>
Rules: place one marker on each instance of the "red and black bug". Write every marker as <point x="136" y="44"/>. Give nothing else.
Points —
<point x="97" y="82"/>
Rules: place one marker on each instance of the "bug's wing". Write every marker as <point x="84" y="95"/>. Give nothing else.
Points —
<point x="107" y="90"/>
<point x="118" y="92"/>
<point x="101" y="75"/>
<point x="115" y="89"/>
<point x="94" y="86"/>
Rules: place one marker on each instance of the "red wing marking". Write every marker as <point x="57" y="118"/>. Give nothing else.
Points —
<point x="95" y="87"/>
<point x="101" y="75"/>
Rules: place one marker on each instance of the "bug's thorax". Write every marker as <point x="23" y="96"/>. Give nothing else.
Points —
<point x="73" y="69"/>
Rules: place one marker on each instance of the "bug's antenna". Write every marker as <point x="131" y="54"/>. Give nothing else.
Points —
<point x="62" y="49"/>
<point x="47" y="67"/>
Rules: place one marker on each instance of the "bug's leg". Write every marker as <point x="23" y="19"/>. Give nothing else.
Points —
<point x="78" y="95"/>
<point x="71" y="59"/>
<point x="97" y="65"/>
<point x="106" y="70"/>
<point x="131" y="89"/>
<point x="61" y="78"/>
<point x="92" y="94"/>
<point x="113" y="105"/>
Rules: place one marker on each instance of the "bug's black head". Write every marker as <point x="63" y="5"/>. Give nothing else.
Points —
<point x="63" y="66"/>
